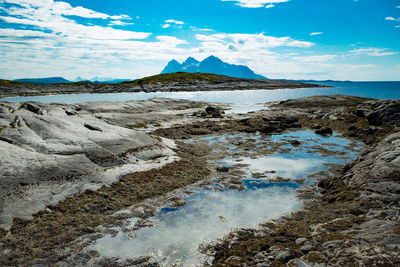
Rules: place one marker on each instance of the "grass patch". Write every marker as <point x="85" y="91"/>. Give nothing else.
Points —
<point x="178" y="77"/>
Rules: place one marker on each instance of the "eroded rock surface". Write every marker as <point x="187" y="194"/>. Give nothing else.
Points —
<point x="356" y="218"/>
<point x="51" y="151"/>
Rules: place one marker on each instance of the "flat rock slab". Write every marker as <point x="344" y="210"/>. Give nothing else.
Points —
<point x="60" y="144"/>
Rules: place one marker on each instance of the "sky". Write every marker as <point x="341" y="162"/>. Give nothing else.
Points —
<point x="129" y="39"/>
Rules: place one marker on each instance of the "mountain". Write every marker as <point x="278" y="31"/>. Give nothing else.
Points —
<point x="50" y="80"/>
<point x="211" y="64"/>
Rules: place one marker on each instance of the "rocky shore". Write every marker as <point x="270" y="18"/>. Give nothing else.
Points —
<point x="66" y="170"/>
<point x="180" y="82"/>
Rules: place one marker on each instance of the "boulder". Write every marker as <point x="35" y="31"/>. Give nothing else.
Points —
<point x="324" y="131"/>
<point x="33" y="108"/>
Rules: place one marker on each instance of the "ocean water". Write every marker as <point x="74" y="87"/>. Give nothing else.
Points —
<point x="243" y="101"/>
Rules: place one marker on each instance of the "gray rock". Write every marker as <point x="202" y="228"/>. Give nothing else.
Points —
<point x="261" y="257"/>
<point x="33" y="108"/>
<point x="306" y="248"/>
<point x="92" y="128"/>
<point x="300" y="240"/>
<point x="333" y="244"/>
<point x="283" y="256"/>
<point x="49" y="156"/>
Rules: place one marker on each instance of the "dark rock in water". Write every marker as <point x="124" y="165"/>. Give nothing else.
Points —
<point x="214" y="112"/>
<point x="223" y="169"/>
<point x="33" y="108"/>
<point x="92" y="128"/>
<point x="324" y="131"/>
<point x="294" y="142"/>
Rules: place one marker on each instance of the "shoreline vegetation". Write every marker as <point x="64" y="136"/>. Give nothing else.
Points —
<point x="350" y="218"/>
<point x="170" y="82"/>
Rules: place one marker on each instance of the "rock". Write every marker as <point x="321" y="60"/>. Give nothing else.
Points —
<point x="4" y="139"/>
<point x="300" y="240"/>
<point x="306" y="248"/>
<point x="324" y="131"/>
<point x="214" y="112"/>
<point x="294" y="142"/>
<point x="261" y="257"/>
<point x="332" y="244"/>
<point x="268" y="129"/>
<point x="70" y="112"/>
<point x="283" y="256"/>
<point x="52" y="156"/>
<point x="211" y="110"/>
<point x="223" y="169"/>
<point x="33" y="108"/>
<point x="264" y="264"/>
<point x="92" y="128"/>
<point x="380" y="112"/>
<point x="233" y="261"/>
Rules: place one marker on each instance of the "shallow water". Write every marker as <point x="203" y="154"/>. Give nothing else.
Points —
<point x="244" y="101"/>
<point x="212" y="212"/>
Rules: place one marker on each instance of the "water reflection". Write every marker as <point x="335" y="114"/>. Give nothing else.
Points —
<point x="212" y="213"/>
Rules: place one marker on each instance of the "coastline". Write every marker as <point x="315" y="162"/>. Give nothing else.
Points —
<point x="335" y="112"/>
<point x="235" y="84"/>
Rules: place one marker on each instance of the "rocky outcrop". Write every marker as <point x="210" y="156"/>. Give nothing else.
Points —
<point x="353" y="219"/>
<point x="381" y="112"/>
<point x="48" y="154"/>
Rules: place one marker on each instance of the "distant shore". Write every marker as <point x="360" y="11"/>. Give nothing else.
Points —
<point x="172" y="82"/>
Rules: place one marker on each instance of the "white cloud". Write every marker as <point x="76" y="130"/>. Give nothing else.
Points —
<point x="252" y="41"/>
<point x="256" y="3"/>
<point x="166" y="26"/>
<point x="48" y="15"/>
<point x="172" y="21"/>
<point x="119" y="23"/>
<point x="315" y="58"/>
<point x="53" y="44"/>
<point x="373" y="52"/>
<point x="316" y="33"/>
<point x="391" y="19"/>
<point x="201" y="29"/>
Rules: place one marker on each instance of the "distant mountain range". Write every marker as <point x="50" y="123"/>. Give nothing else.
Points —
<point x="57" y="80"/>
<point x="51" y="80"/>
<point x="211" y="64"/>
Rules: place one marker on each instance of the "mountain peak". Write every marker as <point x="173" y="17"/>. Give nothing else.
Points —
<point x="171" y="66"/>
<point x="213" y="59"/>
<point x="211" y="64"/>
<point x="191" y="60"/>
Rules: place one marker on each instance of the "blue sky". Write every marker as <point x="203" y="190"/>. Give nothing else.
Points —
<point x="291" y="39"/>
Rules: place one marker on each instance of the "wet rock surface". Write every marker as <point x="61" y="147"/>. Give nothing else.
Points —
<point x="355" y="219"/>
<point x="352" y="217"/>
<point x="47" y="155"/>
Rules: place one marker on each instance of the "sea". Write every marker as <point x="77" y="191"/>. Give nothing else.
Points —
<point x="242" y="100"/>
